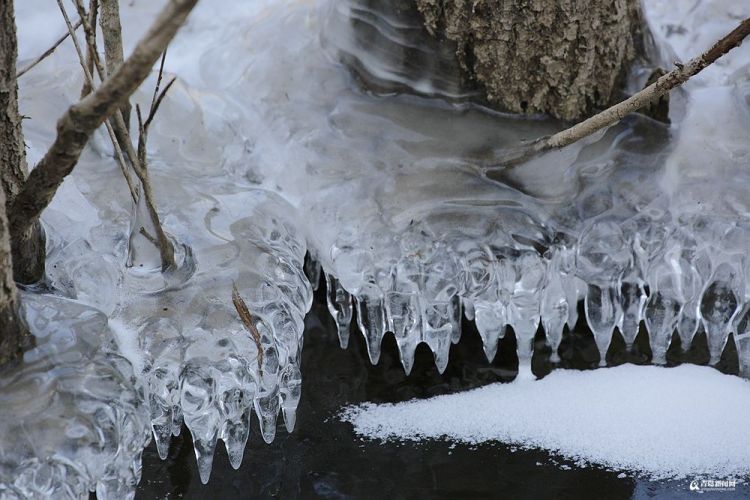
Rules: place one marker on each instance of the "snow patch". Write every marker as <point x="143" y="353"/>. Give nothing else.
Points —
<point x="659" y="422"/>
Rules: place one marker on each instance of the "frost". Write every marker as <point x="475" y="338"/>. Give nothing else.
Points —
<point x="266" y="148"/>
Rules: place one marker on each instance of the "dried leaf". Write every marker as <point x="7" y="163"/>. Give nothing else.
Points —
<point x="247" y="319"/>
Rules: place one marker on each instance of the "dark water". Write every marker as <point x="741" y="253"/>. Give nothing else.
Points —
<point x="323" y="458"/>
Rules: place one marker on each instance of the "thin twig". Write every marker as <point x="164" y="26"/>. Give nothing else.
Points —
<point x="92" y="51"/>
<point x="157" y="103"/>
<point x="90" y="80"/>
<point x="166" y="251"/>
<point x="81" y="120"/>
<point x="612" y="115"/>
<point x="47" y="52"/>
<point x="248" y="321"/>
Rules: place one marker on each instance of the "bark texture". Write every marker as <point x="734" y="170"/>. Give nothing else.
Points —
<point x="28" y="247"/>
<point x="113" y="51"/>
<point x="12" y="330"/>
<point x="567" y="58"/>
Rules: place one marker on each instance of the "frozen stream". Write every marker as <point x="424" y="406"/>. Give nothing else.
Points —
<point x="267" y="148"/>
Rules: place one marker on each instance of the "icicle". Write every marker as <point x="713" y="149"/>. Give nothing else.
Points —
<point x="743" y="353"/>
<point x="468" y="308"/>
<point x="574" y="291"/>
<point x="525" y="332"/>
<point x="405" y="323"/>
<point x="741" y="327"/>
<point x="162" y="437"/>
<point x="490" y="321"/>
<point x="687" y="324"/>
<point x="632" y="301"/>
<point x="312" y="270"/>
<point x="437" y="325"/>
<point x="267" y="408"/>
<point x="176" y="421"/>
<point x="340" y="307"/>
<point x="455" y="317"/>
<point x="235" y="433"/>
<point x="718" y="305"/>
<point x="661" y="320"/>
<point x="290" y="388"/>
<point x="204" y="447"/>
<point x="161" y="423"/>
<point x="371" y="321"/>
<point x="554" y="313"/>
<point x="603" y="314"/>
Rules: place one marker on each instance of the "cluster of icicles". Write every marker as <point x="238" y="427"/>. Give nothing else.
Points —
<point x="626" y="273"/>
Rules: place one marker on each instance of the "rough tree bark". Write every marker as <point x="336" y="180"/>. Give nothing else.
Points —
<point x="29" y="247"/>
<point x="12" y="329"/>
<point x="566" y="58"/>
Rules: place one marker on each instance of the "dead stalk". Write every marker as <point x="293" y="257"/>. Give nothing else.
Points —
<point x="247" y="319"/>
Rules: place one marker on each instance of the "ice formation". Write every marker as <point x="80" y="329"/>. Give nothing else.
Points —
<point x="268" y="148"/>
<point x="72" y="418"/>
<point x="676" y="438"/>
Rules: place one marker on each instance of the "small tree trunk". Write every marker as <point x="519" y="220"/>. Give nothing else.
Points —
<point x="567" y="58"/>
<point x="113" y="51"/>
<point x="29" y="248"/>
<point x="12" y="329"/>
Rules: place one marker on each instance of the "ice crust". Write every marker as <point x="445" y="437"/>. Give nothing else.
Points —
<point x="676" y="438"/>
<point x="267" y="148"/>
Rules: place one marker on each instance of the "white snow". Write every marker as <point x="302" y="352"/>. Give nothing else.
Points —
<point x="660" y="422"/>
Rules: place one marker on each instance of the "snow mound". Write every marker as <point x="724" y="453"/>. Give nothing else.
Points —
<point x="658" y="422"/>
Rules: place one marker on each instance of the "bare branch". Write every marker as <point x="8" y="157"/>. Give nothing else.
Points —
<point x="157" y="103"/>
<point x="614" y="114"/>
<point x="113" y="51"/>
<point x="89" y="82"/>
<point x="92" y="53"/>
<point x="122" y="137"/>
<point x="47" y="52"/>
<point x="80" y="121"/>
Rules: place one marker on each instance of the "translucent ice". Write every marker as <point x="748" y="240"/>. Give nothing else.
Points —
<point x="267" y="147"/>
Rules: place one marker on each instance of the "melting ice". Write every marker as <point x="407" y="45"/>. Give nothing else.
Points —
<point x="268" y="147"/>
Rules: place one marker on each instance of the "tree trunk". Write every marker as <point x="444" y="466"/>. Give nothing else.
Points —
<point x="12" y="329"/>
<point x="566" y="58"/>
<point x="29" y="247"/>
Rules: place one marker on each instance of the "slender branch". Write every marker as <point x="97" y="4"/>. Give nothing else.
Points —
<point x="92" y="53"/>
<point x="109" y="22"/>
<point x="89" y="82"/>
<point x="82" y="119"/>
<point x="166" y="251"/>
<point x="47" y="52"/>
<point x="612" y="115"/>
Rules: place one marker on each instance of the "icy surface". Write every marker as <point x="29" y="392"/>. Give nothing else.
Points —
<point x="268" y="147"/>
<point x="71" y="419"/>
<point x="592" y="416"/>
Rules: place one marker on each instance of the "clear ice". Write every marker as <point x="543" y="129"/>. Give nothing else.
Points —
<point x="268" y="148"/>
